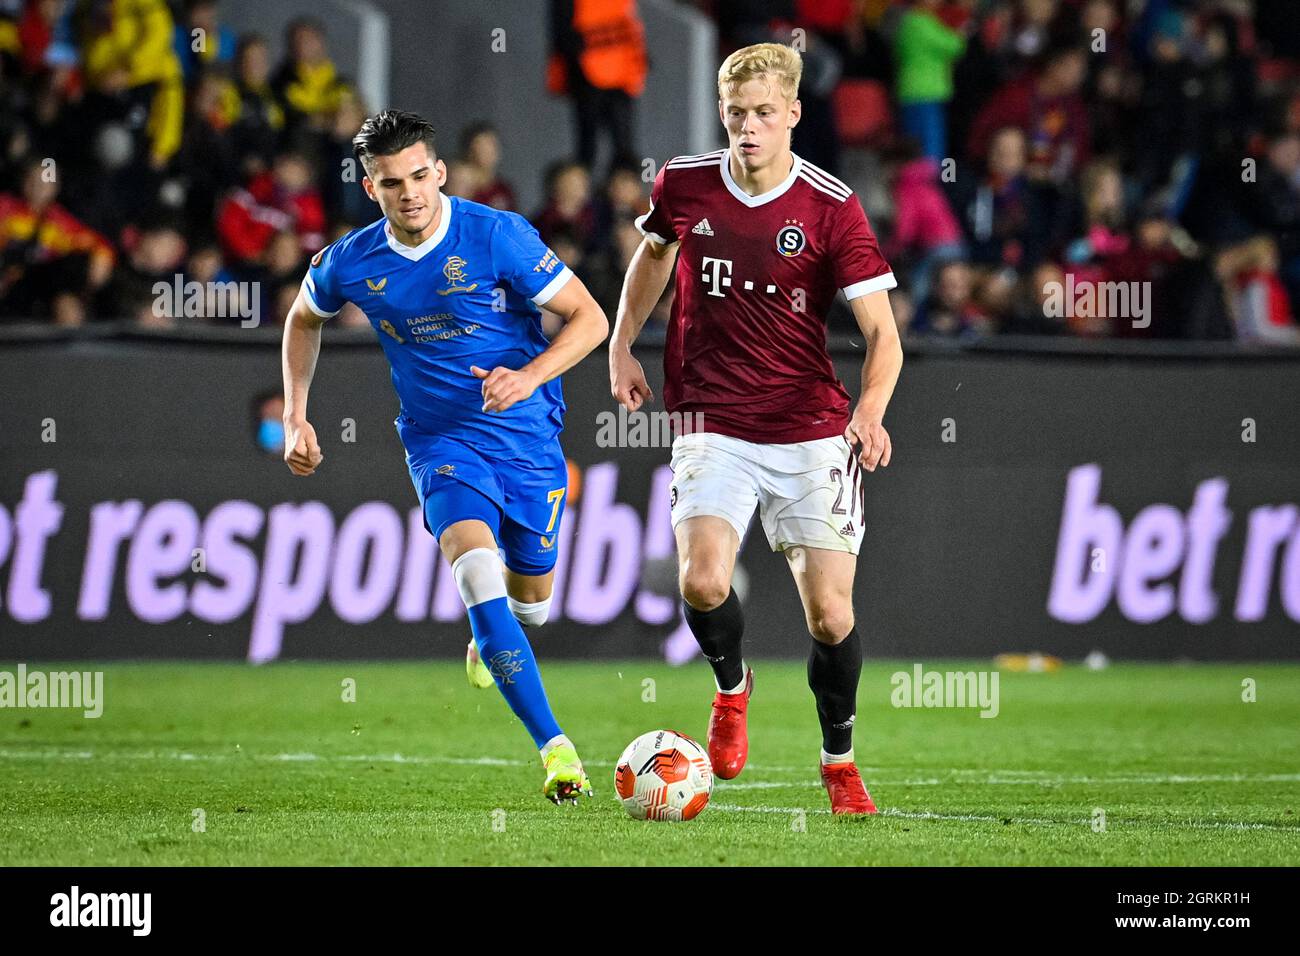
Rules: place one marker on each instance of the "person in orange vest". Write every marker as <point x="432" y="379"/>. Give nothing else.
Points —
<point x="598" y="59"/>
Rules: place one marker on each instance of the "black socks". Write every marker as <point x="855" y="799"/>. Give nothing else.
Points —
<point x="718" y="634"/>
<point x="833" y="673"/>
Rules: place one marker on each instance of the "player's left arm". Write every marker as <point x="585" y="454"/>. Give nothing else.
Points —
<point x="866" y="431"/>
<point x="585" y="327"/>
<point x="861" y="271"/>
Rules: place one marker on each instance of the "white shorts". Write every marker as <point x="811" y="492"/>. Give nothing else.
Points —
<point x="808" y="493"/>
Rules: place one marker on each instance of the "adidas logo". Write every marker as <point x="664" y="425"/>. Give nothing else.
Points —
<point x="702" y="228"/>
<point x="848" y="531"/>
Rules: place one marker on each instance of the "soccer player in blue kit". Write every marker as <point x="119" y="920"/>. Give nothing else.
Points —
<point x="452" y="289"/>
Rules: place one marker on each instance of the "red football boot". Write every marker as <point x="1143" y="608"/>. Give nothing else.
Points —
<point x="844" y="784"/>
<point x="728" y="741"/>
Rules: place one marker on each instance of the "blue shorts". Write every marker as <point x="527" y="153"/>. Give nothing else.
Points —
<point x="520" y="499"/>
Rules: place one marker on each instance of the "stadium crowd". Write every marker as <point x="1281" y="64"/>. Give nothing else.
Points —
<point x="1002" y="148"/>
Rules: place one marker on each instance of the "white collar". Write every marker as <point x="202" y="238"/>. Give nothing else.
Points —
<point x="761" y="198"/>
<point x="416" y="253"/>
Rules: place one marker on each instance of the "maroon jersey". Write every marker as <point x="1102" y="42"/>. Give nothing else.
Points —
<point x="756" y="276"/>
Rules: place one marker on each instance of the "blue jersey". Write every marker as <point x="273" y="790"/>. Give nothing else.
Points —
<point x="468" y="295"/>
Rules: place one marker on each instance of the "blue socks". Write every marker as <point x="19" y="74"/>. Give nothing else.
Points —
<point x="509" y="658"/>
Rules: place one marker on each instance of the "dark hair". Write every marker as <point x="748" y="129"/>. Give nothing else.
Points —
<point x="298" y="24"/>
<point x="392" y="131"/>
<point x="472" y="132"/>
<point x="1061" y="47"/>
<point x="247" y="40"/>
<point x="558" y="169"/>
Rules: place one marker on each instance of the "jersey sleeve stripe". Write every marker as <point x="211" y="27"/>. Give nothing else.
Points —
<point x="309" y="296"/>
<point x="640" y="225"/>
<point x="868" y="286"/>
<point x="552" y="287"/>
<point x="828" y="191"/>
<point x="826" y="177"/>
<point x="678" y="160"/>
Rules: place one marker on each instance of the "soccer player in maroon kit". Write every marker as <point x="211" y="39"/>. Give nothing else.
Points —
<point x="764" y="242"/>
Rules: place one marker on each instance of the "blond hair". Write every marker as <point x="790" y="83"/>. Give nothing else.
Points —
<point x="776" y="60"/>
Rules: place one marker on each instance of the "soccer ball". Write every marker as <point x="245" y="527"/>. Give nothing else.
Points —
<point x="664" y="775"/>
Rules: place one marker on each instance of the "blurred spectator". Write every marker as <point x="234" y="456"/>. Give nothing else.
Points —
<point x="50" y="261"/>
<point x="925" y="232"/>
<point x="1033" y="31"/>
<point x="950" y="311"/>
<point x="1170" y="112"/>
<point x="462" y="179"/>
<point x="568" y="208"/>
<point x="201" y="41"/>
<point x="1030" y="314"/>
<point x="258" y="119"/>
<point x="283" y="198"/>
<point x="155" y="254"/>
<point x="989" y="62"/>
<point x="283" y="265"/>
<point x="1046" y="106"/>
<point x="925" y="49"/>
<point x="307" y="84"/>
<point x="207" y="159"/>
<point x="1001" y="210"/>
<point x="623" y="199"/>
<point x="1272" y="204"/>
<point x="36" y="35"/>
<point x="338" y="172"/>
<point x="1259" y="303"/>
<point x="1101" y="232"/>
<point x="268" y="424"/>
<point x="1161" y="262"/>
<point x="605" y="270"/>
<point x="480" y="149"/>
<point x="598" y="60"/>
<point x="132" y="71"/>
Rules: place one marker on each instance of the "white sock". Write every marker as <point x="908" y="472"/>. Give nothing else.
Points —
<point x="739" y="688"/>
<point x="559" y="740"/>
<point x="837" y="758"/>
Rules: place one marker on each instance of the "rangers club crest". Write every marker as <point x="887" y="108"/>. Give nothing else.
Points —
<point x="790" y="240"/>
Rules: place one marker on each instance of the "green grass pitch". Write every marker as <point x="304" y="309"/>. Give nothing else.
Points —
<point x="423" y="769"/>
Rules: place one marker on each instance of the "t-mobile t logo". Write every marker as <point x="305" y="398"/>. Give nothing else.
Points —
<point x="713" y="277"/>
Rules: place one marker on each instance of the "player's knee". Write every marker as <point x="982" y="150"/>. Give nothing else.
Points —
<point x="830" y="625"/>
<point x="530" y="614"/>
<point x="480" y="576"/>
<point x="705" y="590"/>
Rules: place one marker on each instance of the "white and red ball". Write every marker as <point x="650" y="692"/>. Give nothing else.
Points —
<point x="664" y="775"/>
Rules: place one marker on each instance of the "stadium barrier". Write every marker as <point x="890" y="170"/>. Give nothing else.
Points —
<point x="1135" y="499"/>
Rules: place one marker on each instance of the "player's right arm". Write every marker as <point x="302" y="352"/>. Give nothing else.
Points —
<point x="299" y="351"/>
<point x="647" y="276"/>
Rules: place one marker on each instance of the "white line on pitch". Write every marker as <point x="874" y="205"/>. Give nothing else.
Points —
<point x="998" y="777"/>
<point x="1032" y="821"/>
